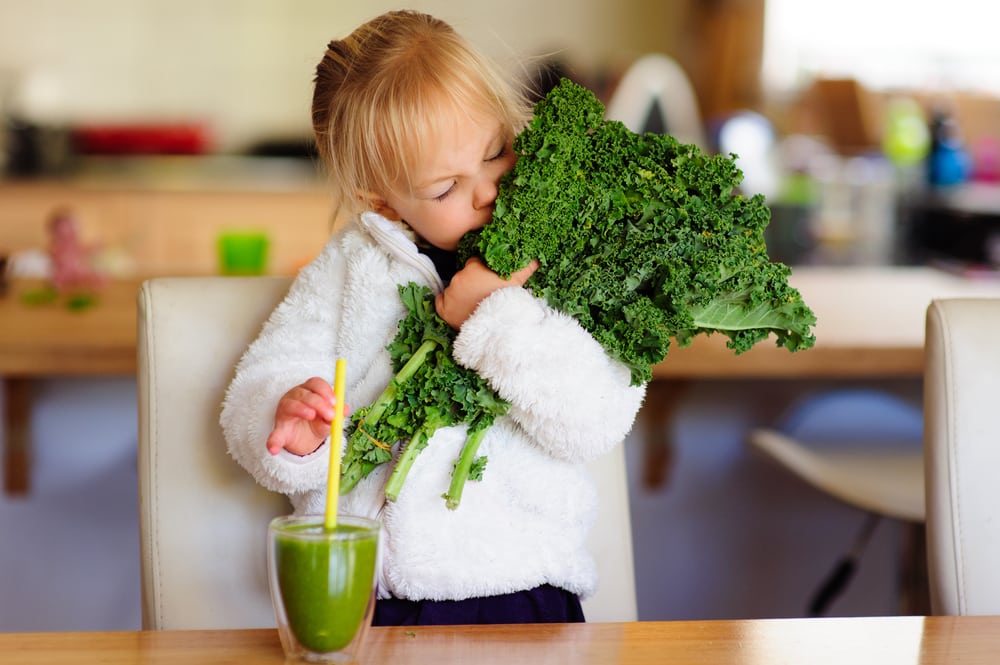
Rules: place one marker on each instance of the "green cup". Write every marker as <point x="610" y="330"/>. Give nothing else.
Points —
<point x="243" y="252"/>
<point x="322" y="585"/>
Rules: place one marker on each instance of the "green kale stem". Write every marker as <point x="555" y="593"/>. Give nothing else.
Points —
<point x="354" y="469"/>
<point x="459" y="476"/>
<point x="428" y="392"/>
<point x="465" y="460"/>
<point x="406" y="460"/>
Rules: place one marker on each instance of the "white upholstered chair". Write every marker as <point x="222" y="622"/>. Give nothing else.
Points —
<point x="962" y="452"/>
<point x="202" y="518"/>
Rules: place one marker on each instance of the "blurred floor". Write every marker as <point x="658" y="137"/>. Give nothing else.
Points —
<point x="732" y="534"/>
<point x="69" y="551"/>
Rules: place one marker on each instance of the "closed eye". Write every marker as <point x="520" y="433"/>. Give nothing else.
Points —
<point x="443" y="195"/>
<point x="499" y="155"/>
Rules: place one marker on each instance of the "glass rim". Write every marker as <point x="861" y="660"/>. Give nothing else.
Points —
<point x="364" y="527"/>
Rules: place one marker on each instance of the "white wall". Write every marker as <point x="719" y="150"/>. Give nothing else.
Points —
<point x="245" y="66"/>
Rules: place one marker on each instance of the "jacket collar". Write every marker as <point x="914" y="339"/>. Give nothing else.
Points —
<point x="397" y="238"/>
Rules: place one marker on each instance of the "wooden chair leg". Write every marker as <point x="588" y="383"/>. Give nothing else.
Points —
<point x="915" y="597"/>
<point x="662" y="399"/>
<point x="16" y="452"/>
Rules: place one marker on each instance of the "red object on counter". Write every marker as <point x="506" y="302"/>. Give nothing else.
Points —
<point x="141" y="139"/>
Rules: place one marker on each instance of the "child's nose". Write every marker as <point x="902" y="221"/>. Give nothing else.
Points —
<point x="484" y="194"/>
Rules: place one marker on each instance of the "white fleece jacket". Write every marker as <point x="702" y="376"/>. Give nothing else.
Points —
<point x="525" y="523"/>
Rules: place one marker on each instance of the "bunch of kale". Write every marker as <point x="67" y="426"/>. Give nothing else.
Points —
<point x="640" y="238"/>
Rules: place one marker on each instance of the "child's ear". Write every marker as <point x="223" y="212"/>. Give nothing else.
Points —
<point x="376" y="203"/>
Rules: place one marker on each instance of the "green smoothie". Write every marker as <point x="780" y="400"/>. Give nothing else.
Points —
<point x="325" y="583"/>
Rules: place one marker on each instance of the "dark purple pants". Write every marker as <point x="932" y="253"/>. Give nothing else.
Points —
<point x="544" y="604"/>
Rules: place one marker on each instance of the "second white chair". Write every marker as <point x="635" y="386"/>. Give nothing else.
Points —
<point x="962" y="447"/>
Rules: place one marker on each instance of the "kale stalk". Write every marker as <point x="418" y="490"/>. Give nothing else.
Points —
<point x="640" y="238"/>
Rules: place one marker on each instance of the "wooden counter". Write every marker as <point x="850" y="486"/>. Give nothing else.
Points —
<point x="165" y="214"/>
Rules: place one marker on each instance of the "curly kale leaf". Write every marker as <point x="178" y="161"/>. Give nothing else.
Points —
<point x="641" y="238"/>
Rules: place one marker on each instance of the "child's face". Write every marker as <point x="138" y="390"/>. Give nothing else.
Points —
<point x="455" y="183"/>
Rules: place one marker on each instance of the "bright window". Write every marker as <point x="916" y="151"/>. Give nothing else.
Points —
<point x="885" y="44"/>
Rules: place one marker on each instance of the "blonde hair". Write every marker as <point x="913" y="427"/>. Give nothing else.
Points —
<point x="382" y="93"/>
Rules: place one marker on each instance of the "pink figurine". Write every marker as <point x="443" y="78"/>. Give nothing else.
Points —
<point x="72" y="264"/>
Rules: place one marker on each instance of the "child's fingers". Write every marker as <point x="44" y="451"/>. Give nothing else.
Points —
<point x="300" y="402"/>
<point x="312" y="404"/>
<point x="297" y="436"/>
<point x="324" y="390"/>
<point x="319" y="386"/>
<point x="280" y="437"/>
<point x="521" y="276"/>
<point x="299" y="408"/>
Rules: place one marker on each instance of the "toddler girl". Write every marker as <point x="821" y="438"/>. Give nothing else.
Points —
<point x="416" y="129"/>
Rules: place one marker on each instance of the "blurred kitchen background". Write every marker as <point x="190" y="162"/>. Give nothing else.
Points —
<point x="157" y="126"/>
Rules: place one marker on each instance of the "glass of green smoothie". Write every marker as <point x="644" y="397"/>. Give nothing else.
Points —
<point x="322" y="584"/>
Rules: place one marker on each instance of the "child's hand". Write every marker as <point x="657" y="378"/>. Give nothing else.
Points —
<point x="470" y="286"/>
<point x="302" y="419"/>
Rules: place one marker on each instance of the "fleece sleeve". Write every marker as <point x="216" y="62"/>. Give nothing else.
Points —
<point x="295" y="344"/>
<point x="566" y="393"/>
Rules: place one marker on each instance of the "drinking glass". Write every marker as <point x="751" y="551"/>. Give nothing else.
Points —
<point x="322" y="585"/>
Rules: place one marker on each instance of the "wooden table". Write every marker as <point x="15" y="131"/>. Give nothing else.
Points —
<point x="853" y="641"/>
<point x="53" y="340"/>
<point x="47" y="340"/>
<point x="870" y="325"/>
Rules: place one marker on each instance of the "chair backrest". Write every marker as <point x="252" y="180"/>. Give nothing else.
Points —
<point x="610" y="542"/>
<point x="962" y="455"/>
<point x="202" y="518"/>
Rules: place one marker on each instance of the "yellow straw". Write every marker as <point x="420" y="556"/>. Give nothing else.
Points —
<point x="336" y="435"/>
